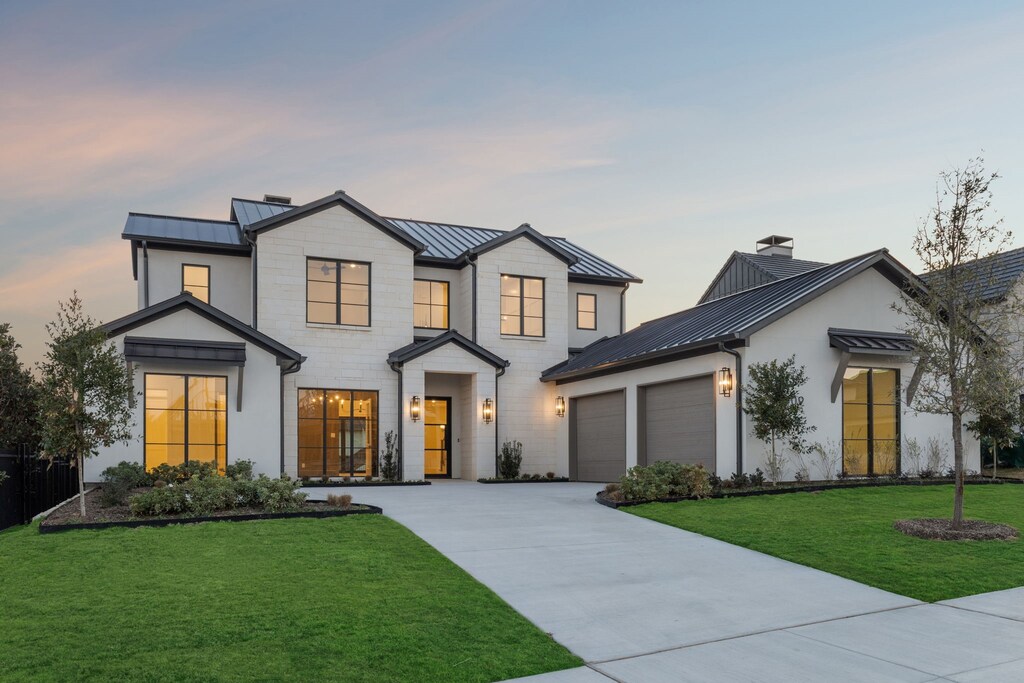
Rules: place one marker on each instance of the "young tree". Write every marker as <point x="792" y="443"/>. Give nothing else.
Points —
<point x="19" y="423"/>
<point x="86" y="391"/>
<point x="772" y="400"/>
<point x="962" y="337"/>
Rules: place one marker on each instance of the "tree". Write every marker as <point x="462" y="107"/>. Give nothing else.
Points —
<point x="999" y="426"/>
<point x="772" y="400"/>
<point x="86" y="391"/>
<point x="19" y="423"/>
<point x="962" y="337"/>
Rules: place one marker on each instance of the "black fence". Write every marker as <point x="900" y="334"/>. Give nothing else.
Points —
<point x="33" y="485"/>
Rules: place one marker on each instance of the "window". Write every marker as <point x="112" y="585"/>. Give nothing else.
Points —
<point x="871" y="426"/>
<point x="196" y="281"/>
<point x="186" y="420"/>
<point x="337" y="432"/>
<point x="522" y="306"/>
<point x="586" y="311"/>
<point x="337" y="292"/>
<point x="430" y="304"/>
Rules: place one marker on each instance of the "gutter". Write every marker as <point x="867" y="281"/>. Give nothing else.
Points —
<point x="739" y="404"/>
<point x="471" y="262"/>
<point x="622" y="308"/>
<point x="499" y="373"/>
<point x="252" y="243"/>
<point x="397" y="367"/>
<point x="145" y="274"/>
<point x="295" y="366"/>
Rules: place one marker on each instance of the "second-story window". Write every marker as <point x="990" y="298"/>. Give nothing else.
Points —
<point x="337" y="292"/>
<point x="522" y="306"/>
<point x="196" y="281"/>
<point x="430" y="304"/>
<point x="586" y="311"/>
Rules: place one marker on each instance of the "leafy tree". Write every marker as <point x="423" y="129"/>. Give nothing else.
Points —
<point x="999" y="426"/>
<point x="963" y="337"/>
<point x="19" y="423"/>
<point x="86" y="391"/>
<point x="772" y="400"/>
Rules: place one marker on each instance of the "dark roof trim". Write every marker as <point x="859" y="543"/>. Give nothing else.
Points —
<point x="184" y="350"/>
<point x="871" y="342"/>
<point x="417" y="349"/>
<point x="603" y="279"/>
<point x="171" y="244"/>
<point x="528" y="232"/>
<point x="339" y="198"/>
<point x="215" y="315"/>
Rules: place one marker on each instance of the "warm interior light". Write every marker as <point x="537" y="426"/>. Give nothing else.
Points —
<point x="725" y="382"/>
<point x="488" y="410"/>
<point x="560" y="406"/>
<point x="414" y="408"/>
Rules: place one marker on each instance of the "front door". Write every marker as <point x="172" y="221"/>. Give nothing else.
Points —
<point x="437" y="438"/>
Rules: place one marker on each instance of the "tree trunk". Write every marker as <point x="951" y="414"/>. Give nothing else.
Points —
<point x="79" y="465"/>
<point x="995" y="459"/>
<point x="958" y="469"/>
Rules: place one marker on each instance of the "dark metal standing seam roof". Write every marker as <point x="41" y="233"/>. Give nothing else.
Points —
<point x="867" y="341"/>
<point x="729" y="318"/>
<point x="996" y="275"/>
<point x="140" y="226"/>
<point x="779" y="266"/>
<point x="191" y="350"/>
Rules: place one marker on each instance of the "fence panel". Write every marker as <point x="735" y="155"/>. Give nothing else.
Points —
<point x="33" y="485"/>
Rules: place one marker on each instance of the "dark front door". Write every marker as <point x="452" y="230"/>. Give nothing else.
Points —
<point x="437" y="437"/>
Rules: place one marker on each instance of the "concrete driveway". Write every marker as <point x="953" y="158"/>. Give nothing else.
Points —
<point x="641" y="601"/>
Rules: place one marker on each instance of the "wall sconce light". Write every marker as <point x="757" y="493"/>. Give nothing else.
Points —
<point x="488" y="410"/>
<point x="414" y="408"/>
<point x="560" y="406"/>
<point x="725" y="382"/>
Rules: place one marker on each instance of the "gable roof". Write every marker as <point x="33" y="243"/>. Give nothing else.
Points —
<point x="871" y="342"/>
<point x="764" y="267"/>
<point x="186" y="301"/>
<point x="729" y="320"/>
<point x="419" y="348"/>
<point x="529" y="233"/>
<point x="997" y="273"/>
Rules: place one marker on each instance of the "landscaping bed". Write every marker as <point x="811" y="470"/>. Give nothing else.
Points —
<point x="316" y="483"/>
<point x="524" y="479"/>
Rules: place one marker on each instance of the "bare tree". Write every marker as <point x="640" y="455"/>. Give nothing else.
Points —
<point x="963" y="338"/>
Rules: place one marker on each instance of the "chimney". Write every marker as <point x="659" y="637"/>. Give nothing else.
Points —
<point x="277" y="199"/>
<point x="776" y="245"/>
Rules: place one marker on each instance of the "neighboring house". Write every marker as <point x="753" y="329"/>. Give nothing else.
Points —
<point x="666" y="390"/>
<point x="298" y="336"/>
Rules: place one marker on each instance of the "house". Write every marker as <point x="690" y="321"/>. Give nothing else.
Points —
<point x="667" y="389"/>
<point x="299" y="336"/>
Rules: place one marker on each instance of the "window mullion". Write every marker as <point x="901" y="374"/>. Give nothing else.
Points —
<point x="522" y="306"/>
<point x="186" y="418"/>
<point x="871" y="421"/>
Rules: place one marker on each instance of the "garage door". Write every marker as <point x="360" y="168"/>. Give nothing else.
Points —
<point x="677" y="422"/>
<point x="597" y="438"/>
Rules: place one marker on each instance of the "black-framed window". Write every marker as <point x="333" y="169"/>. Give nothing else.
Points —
<point x="871" y="421"/>
<point x="186" y="419"/>
<point x="430" y="304"/>
<point x="586" y="311"/>
<point x="337" y="292"/>
<point x="337" y="432"/>
<point x="522" y="306"/>
<point x="195" y="279"/>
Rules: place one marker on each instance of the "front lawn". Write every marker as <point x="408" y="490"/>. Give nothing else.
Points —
<point x="849" y="533"/>
<point x="348" y="599"/>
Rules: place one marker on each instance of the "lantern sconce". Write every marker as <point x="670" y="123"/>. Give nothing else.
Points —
<point x="414" y="408"/>
<point x="488" y="410"/>
<point x="725" y="382"/>
<point x="560" y="406"/>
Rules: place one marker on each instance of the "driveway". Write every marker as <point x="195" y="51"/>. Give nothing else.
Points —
<point x="641" y="601"/>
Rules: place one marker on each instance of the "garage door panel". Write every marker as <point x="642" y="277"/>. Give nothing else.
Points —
<point x="600" y="436"/>
<point x="679" y="422"/>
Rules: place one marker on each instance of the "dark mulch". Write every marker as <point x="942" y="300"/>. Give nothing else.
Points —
<point x="96" y="513"/>
<point x="942" y="530"/>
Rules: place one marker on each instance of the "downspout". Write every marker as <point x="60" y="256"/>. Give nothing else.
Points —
<point x="622" y="309"/>
<point x="739" y="404"/>
<point x="252" y="243"/>
<point x="397" y="367"/>
<point x="145" y="274"/>
<point x="497" y="409"/>
<point x="472" y="264"/>
<point x="295" y="366"/>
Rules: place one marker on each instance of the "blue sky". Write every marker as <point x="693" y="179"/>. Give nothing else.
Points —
<point x="660" y="135"/>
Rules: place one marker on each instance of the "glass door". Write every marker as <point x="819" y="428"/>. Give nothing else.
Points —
<point x="437" y="453"/>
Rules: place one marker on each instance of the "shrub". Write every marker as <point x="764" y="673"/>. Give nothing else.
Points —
<point x="168" y="500"/>
<point x="240" y="469"/>
<point x="119" y="480"/>
<point x="179" y="473"/>
<point x="550" y="475"/>
<point x="612" y="487"/>
<point x="664" y="479"/>
<point x="757" y="478"/>
<point x="510" y="459"/>
<point x="714" y="481"/>
<point x="389" y="458"/>
<point x="739" y="480"/>
<point x="204" y="496"/>
<point x="343" y="501"/>
<point x="280" y="495"/>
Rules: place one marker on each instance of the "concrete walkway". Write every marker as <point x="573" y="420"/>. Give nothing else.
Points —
<point x="641" y="601"/>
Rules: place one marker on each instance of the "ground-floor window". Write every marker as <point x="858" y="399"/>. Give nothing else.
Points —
<point x="337" y="432"/>
<point x="186" y="419"/>
<point x="871" y="421"/>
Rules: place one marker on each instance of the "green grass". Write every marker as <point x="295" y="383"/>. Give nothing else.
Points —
<point x="348" y="599"/>
<point x="849" y="533"/>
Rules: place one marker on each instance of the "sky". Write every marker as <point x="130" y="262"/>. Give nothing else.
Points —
<point x="660" y="135"/>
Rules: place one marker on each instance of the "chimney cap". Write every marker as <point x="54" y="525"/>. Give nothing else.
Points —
<point x="775" y="245"/>
<point x="277" y="199"/>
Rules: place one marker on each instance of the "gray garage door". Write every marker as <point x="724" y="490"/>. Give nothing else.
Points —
<point x="677" y="422"/>
<point x="597" y="437"/>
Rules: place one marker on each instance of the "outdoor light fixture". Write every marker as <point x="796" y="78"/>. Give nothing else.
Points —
<point x="560" y="406"/>
<point x="414" y="408"/>
<point x="725" y="382"/>
<point x="488" y="410"/>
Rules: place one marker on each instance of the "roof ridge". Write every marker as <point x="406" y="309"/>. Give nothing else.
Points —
<point x="449" y="225"/>
<point x="181" y="218"/>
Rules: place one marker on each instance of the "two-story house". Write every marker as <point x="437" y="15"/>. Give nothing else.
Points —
<point x="298" y="336"/>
